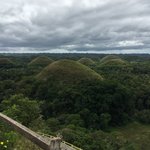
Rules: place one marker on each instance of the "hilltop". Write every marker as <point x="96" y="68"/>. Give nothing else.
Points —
<point x="41" y="61"/>
<point x="114" y="62"/>
<point x="111" y="60"/>
<point x="109" y="57"/>
<point x="86" y="61"/>
<point x="68" y="71"/>
<point x="5" y="61"/>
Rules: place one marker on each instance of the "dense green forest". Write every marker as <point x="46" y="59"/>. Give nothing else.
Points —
<point x="96" y="102"/>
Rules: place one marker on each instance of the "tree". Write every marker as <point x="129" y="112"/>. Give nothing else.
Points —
<point x="21" y="108"/>
<point x="104" y="120"/>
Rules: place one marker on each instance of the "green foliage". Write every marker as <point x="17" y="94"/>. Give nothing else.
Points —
<point x="77" y="102"/>
<point x="71" y="119"/>
<point x="143" y="116"/>
<point x="7" y="140"/>
<point x="97" y="140"/>
<point x="53" y="124"/>
<point x="24" y="144"/>
<point x="20" y="108"/>
<point x="7" y="88"/>
<point x="92" y="102"/>
<point x="136" y="134"/>
<point x="7" y="137"/>
<point x="5" y="62"/>
<point x="105" y="119"/>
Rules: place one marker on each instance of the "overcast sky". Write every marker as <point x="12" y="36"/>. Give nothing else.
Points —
<point x="94" y="26"/>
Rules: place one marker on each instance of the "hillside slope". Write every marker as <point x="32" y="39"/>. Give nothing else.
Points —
<point x="40" y="61"/>
<point x="68" y="71"/>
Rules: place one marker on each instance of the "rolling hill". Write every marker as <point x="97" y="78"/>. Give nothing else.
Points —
<point x="5" y="61"/>
<point x="115" y="62"/>
<point x="41" y="61"/>
<point x="68" y="71"/>
<point x="86" y="61"/>
<point x="109" y="57"/>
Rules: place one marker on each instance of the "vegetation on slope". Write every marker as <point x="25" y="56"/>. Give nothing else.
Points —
<point x="41" y="61"/>
<point x="114" y="62"/>
<point x="68" y="71"/>
<point x="5" y="62"/>
<point x="84" y="112"/>
<point x="138" y="134"/>
<point x="86" y="61"/>
<point x="109" y="57"/>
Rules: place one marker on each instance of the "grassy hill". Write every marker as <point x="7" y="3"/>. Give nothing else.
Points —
<point x="86" y="61"/>
<point x="41" y="61"/>
<point x="114" y="62"/>
<point x="5" y="61"/>
<point x="68" y="71"/>
<point x="109" y="57"/>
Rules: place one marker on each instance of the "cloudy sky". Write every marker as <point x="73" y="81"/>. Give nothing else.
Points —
<point x="93" y="26"/>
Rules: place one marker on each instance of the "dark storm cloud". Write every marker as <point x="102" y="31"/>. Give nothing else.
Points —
<point x="74" y="25"/>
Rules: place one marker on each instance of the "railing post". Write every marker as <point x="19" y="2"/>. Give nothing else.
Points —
<point x="55" y="144"/>
<point x="46" y="143"/>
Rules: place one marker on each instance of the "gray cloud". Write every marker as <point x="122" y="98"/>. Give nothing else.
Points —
<point x="74" y="26"/>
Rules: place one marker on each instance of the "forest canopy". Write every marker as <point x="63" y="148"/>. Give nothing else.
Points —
<point x="78" y="101"/>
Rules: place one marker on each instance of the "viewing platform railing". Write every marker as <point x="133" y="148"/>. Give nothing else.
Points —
<point x="46" y="142"/>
